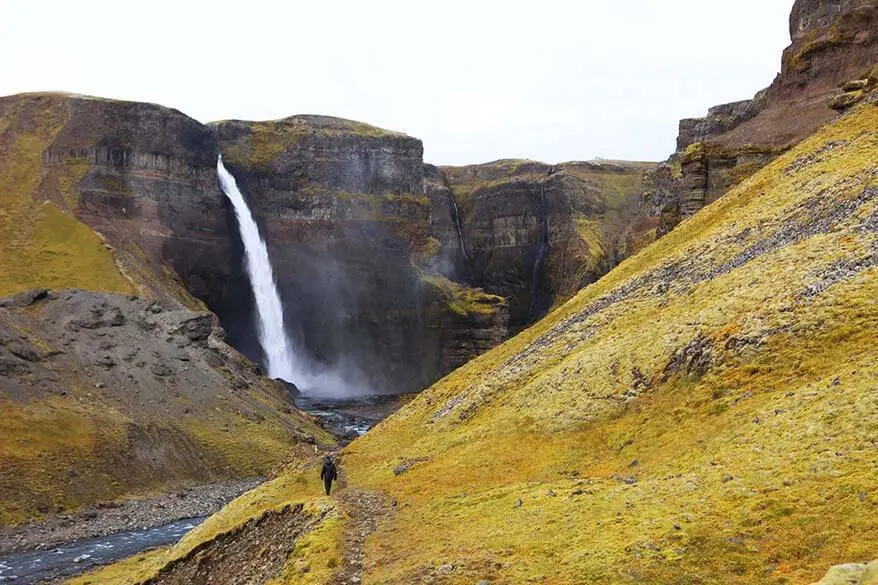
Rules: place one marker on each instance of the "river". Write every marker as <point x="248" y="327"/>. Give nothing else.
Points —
<point x="77" y="557"/>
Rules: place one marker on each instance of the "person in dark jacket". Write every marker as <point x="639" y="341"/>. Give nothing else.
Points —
<point x="328" y="473"/>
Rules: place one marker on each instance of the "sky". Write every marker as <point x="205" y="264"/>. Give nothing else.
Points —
<point x="476" y="80"/>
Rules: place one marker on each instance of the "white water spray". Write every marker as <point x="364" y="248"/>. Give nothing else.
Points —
<point x="281" y="360"/>
<point x="276" y="346"/>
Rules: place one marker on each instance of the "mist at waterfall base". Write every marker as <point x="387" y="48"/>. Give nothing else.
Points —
<point x="282" y="358"/>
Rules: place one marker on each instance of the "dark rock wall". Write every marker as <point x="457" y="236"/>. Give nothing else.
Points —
<point x="349" y="230"/>
<point x="144" y="177"/>
<point x="537" y="233"/>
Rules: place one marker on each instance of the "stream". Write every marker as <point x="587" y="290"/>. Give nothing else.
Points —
<point x="347" y="419"/>
<point x="350" y="418"/>
<point x="79" y="556"/>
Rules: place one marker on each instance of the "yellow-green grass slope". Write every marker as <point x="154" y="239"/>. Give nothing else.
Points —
<point x="705" y="413"/>
<point x="318" y="553"/>
<point x="41" y="244"/>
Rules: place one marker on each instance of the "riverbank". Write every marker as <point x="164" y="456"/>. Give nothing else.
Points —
<point x="350" y="418"/>
<point x="120" y="516"/>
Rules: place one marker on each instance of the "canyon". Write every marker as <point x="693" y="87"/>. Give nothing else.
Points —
<point x="667" y="370"/>
<point x="392" y="273"/>
<point x="397" y="270"/>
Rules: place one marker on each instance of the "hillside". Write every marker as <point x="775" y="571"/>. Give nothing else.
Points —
<point x="106" y="396"/>
<point x="705" y="413"/>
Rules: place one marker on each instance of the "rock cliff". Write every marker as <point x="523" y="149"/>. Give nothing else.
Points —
<point x="350" y="232"/>
<point x="537" y="233"/>
<point x="831" y="64"/>
<point x="141" y="175"/>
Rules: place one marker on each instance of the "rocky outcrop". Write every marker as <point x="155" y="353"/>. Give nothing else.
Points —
<point x="536" y="233"/>
<point x="851" y="574"/>
<point x="106" y="395"/>
<point x="719" y="119"/>
<point x="834" y="41"/>
<point x="828" y="68"/>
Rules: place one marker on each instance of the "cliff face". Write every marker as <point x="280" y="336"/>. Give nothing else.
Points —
<point x="536" y="233"/>
<point x="350" y="235"/>
<point x="141" y="175"/>
<point x="829" y="67"/>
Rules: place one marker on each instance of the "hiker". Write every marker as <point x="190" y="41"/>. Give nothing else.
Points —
<point x="328" y="473"/>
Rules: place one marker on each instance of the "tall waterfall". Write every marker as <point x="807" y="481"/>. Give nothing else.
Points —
<point x="276" y="346"/>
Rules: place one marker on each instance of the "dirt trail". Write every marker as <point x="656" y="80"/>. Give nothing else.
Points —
<point x="365" y="510"/>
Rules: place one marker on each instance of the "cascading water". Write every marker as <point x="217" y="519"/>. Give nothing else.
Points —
<point x="281" y="359"/>
<point x="276" y="346"/>
<point x="542" y="246"/>
<point x="455" y="215"/>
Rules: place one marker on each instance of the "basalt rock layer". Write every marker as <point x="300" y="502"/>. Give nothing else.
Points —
<point x="831" y="64"/>
<point x="141" y="175"/>
<point x="537" y="233"/>
<point x="350" y="236"/>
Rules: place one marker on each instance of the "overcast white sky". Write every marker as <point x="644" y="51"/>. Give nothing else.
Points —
<point x="476" y="80"/>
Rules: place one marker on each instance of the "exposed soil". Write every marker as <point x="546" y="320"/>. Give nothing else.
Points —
<point x="254" y="553"/>
<point x="365" y="510"/>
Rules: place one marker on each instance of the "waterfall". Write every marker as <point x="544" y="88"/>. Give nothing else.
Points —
<point x="542" y="245"/>
<point x="455" y="215"/>
<point x="281" y="359"/>
<point x="276" y="346"/>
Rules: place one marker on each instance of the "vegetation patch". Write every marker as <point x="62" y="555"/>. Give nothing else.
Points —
<point x="463" y="300"/>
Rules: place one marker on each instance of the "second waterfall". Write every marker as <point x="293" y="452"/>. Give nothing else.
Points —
<point x="276" y="346"/>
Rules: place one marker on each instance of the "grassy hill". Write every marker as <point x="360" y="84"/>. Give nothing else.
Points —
<point x="705" y="413"/>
